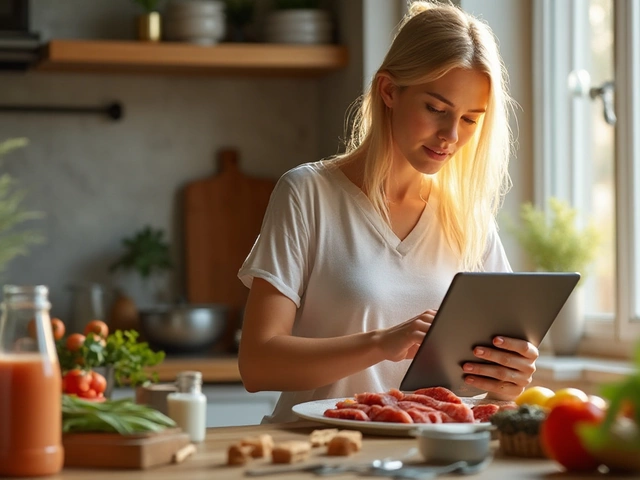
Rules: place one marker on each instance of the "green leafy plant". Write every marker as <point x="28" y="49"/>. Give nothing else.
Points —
<point x="123" y="416"/>
<point x="12" y="213"/>
<point x="148" y="5"/>
<point x="146" y="253"/>
<point x="555" y="243"/>
<point x="289" y="4"/>
<point x="616" y="430"/>
<point x="121" y="350"/>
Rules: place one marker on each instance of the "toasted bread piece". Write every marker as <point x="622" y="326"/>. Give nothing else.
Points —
<point x="344" y="443"/>
<point x="291" y="451"/>
<point x="262" y="445"/>
<point x="319" y="438"/>
<point x="238" y="454"/>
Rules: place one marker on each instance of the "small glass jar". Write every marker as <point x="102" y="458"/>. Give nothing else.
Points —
<point x="188" y="406"/>
<point x="30" y="386"/>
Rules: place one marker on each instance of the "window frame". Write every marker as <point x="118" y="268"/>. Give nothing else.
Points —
<point x="558" y="131"/>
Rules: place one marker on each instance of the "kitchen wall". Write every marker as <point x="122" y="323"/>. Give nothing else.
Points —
<point x="98" y="181"/>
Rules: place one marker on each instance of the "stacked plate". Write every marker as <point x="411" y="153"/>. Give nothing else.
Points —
<point x="306" y="26"/>
<point x="194" y="21"/>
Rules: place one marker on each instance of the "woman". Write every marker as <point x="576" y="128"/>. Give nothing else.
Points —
<point x="356" y="252"/>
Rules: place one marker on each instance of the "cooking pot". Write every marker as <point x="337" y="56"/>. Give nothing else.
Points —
<point x="184" y="327"/>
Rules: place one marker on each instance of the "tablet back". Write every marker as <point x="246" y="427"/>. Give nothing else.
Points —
<point x="476" y="308"/>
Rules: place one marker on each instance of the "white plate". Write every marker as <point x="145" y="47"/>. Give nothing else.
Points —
<point x="315" y="411"/>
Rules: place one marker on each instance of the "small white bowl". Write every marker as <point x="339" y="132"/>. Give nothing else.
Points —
<point x="447" y="446"/>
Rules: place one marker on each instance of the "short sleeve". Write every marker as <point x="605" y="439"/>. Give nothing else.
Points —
<point x="280" y="253"/>
<point x="495" y="258"/>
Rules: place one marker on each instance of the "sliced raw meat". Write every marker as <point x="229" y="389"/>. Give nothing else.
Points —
<point x="394" y="392"/>
<point x="347" y="414"/>
<point x="459" y="412"/>
<point x="408" y="406"/>
<point x="376" y="398"/>
<point x="439" y="393"/>
<point x="423" y="416"/>
<point x="392" y="415"/>
<point x="353" y="404"/>
<point x="482" y="413"/>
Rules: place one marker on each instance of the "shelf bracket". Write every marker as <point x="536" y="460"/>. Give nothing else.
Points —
<point x="114" y="110"/>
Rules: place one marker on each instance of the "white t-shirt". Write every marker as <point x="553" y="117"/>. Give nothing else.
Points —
<point x="323" y="245"/>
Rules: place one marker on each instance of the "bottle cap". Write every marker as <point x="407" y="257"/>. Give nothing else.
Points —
<point x="189" y="381"/>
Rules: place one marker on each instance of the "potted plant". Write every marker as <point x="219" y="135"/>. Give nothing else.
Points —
<point x="147" y="255"/>
<point x="12" y="213"/>
<point x="555" y="243"/>
<point x="298" y="21"/>
<point x="149" y="24"/>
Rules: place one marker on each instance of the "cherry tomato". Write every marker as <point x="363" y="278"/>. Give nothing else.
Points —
<point x="58" y="328"/>
<point x="559" y="438"/>
<point x="76" y="382"/>
<point x="75" y="342"/>
<point x="98" y="383"/>
<point x="97" y="327"/>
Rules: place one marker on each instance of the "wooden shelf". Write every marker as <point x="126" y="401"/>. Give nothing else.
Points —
<point x="262" y="59"/>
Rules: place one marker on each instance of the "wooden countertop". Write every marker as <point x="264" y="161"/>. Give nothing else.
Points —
<point x="215" y="369"/>
<point x="209" y="462"/>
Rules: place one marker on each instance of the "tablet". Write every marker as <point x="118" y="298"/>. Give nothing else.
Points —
<point x="476" y="308"/>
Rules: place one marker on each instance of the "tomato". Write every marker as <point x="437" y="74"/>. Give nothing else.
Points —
<point x="58" y="328"/>
<point x="535" y="396"/>
<point x="567" y="395"/>
<point x="98" y="382"/>
<point x="76" y="382"/>
<point x="559" y="437"/>
<point x="75" y="342"/>
<point x="97" y="327"/>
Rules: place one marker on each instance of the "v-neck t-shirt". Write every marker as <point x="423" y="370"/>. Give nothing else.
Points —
<point x="323" y="245"/>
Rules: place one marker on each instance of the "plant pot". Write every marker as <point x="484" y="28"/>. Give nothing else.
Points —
<point x="567" y="330"/>
<point x="149" y="27"/>
<point x="299" y="26"/>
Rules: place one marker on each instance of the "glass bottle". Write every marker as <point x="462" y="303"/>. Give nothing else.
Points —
<point x="188" y="406"/>
<point x="30" y="386"/>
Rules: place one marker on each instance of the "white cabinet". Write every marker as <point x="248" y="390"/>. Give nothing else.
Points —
<point x="227" y="404"/>
<point x="232" y="405"/>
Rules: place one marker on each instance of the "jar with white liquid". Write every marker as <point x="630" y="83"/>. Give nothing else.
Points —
<point x="188" y="406"/>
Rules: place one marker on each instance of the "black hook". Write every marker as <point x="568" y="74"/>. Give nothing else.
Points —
<point x="114" y="110"/>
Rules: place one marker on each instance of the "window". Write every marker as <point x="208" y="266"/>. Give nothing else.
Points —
<point x="587" y="134"/>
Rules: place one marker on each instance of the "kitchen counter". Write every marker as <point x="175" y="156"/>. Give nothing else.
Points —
<point x="215" y="369"/>
<point x="210" y="459"/>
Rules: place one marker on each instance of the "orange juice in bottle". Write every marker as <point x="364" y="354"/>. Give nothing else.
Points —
<point x="30" y="386"/>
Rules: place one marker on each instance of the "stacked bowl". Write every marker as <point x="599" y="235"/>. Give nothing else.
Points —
<point x="194" y="21"/>
<point x="302" y="26"/>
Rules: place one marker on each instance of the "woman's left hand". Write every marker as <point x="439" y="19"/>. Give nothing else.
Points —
<point x="513" y="365"/>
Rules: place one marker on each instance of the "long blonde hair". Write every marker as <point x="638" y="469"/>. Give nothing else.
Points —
<point x="434" y="38"/>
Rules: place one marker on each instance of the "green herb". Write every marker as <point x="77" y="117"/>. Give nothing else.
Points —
<point x="122" y="351"/>
<point x="526" y="418"/>
<point x="617" y="393"/>
<point x="121" y="416"/>
<point x="146" y="253"/>
<point x="555" y="244"/>
<point x="12" y="213"/>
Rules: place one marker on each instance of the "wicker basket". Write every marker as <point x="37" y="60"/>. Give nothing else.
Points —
<point x="521" y="444"/>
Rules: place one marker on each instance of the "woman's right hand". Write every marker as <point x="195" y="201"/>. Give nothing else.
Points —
<point x="402" y="341"/>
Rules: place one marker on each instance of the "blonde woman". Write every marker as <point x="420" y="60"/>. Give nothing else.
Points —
<point x="356" y="252"/>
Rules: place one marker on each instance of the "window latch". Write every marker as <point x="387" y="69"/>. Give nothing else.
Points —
<point x="606" y="91"/>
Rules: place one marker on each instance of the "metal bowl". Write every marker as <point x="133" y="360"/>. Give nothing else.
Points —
<point x="184" y="328"/>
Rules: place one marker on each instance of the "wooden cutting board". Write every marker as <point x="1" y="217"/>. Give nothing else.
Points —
<point x="112" y="450"/>
<point x="222" y="219"/>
